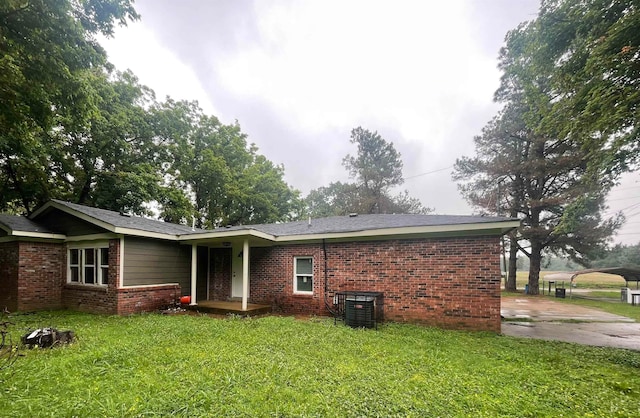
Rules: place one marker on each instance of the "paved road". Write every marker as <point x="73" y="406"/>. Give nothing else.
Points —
<point x="541" y="319"/>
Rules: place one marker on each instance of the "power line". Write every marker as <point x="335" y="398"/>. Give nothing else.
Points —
<point x="630" y="207"/>
<point x="428" y="172"/>
<point x="627" y="188"/>
<point x="623" y="198"/>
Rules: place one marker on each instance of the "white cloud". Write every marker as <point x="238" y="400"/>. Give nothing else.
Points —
<point x="136" y="48"/>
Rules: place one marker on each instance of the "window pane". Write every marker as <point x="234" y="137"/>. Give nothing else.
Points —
<point x="304" y="284"/>
<point x="74" y="256"/>
<point x="104" y="256"/>
<point x="105" y="275"/>
<point x="75" y="274"/>
<point x="89" y="256"/>
<point x="304" y="266"/>
<point x="89" y="275"/>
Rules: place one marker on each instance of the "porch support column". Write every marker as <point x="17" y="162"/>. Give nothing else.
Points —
<point x="194" y="272"/>
<point x="245" y="274"/>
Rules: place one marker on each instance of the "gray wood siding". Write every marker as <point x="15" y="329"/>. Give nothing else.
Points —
<point x="149" y="261"/>
<point x="61" y="222"/>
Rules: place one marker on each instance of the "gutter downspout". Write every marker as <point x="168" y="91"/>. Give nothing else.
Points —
<point x="326" y="279"/>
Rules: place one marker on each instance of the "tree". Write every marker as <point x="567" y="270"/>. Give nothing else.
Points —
<point x="106" y="158"/>
<point x="376" y="168"/>
<point x="212" y="173"/>
<point x="493" y="180"/>
<point x="619" y="256"/>
<point x="574" y="142"/>
<point x="589" y="54"/>
<point x="337" y="199"/>
<point x="546" y="184"/>
<point x="46" y="50"/>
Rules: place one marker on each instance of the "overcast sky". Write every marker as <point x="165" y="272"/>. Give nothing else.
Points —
<point x="299" y="75"/>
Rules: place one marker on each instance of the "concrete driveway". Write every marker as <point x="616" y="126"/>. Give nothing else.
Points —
<point x="542" y="319"/>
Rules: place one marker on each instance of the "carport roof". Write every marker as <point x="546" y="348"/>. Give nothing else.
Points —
<point x="628" y="273"/>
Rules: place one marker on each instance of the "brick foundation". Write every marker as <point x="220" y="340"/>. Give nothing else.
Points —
<point x="450" y="283"/>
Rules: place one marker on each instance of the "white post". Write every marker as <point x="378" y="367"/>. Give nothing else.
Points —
<point x="245" y="274"/>
<point x="194" y="272"/>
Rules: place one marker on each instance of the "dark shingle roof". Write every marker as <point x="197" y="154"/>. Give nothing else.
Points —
<point x="334" y="224"/>
<point x="21" y="223"/>
<point x="131" y="222"/>
<point x="341" y="224"/>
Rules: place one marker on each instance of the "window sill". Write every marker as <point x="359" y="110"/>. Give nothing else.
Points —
<point x="82" y="286"/>
<point x="302" y="295"/>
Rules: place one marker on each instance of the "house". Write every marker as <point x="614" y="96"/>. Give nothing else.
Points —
<point x="431" y="269"/>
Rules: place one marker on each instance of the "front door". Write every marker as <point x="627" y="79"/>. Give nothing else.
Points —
<point x="236" y="271"/>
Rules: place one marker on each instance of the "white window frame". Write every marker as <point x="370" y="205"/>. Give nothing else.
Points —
<point x="98" y="267"/>
<point x="297" y="275"/>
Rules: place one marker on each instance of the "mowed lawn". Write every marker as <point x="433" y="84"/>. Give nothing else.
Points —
<point x="186" y="365"/>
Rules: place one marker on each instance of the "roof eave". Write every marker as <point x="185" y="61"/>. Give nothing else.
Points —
<point x="39" y="235"/>
<point x="491" y="228"/>
<point x="194" y="237"/>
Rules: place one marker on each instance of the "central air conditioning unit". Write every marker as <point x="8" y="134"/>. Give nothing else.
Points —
<point x="359" y="309"/>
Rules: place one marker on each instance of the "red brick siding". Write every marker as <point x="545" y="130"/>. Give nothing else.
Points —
<point x="39" y="270"/>
<point x="450" y="283"/>
<point x="9" y="276"/>
<point x="271" y="279"/>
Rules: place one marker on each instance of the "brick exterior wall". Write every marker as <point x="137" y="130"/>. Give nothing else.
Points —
<point x="9" y="276"/>
<point x="449" y="282"/>
<point x="30" y="275"/>
<point x="39" y="282"/>
<point x="446" y="282"/>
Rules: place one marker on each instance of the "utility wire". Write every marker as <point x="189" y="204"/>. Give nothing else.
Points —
<point x="428" y="172"/>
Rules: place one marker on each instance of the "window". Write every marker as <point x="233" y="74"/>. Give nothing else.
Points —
<point x="74" y="265"/>
<point x="303" y="275"/>
<point x="89" y="265"/>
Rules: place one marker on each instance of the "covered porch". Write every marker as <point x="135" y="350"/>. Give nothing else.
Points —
<point x="220" y="276"/>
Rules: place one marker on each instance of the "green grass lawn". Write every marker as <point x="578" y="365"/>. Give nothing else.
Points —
<point x="154" y="365"/>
